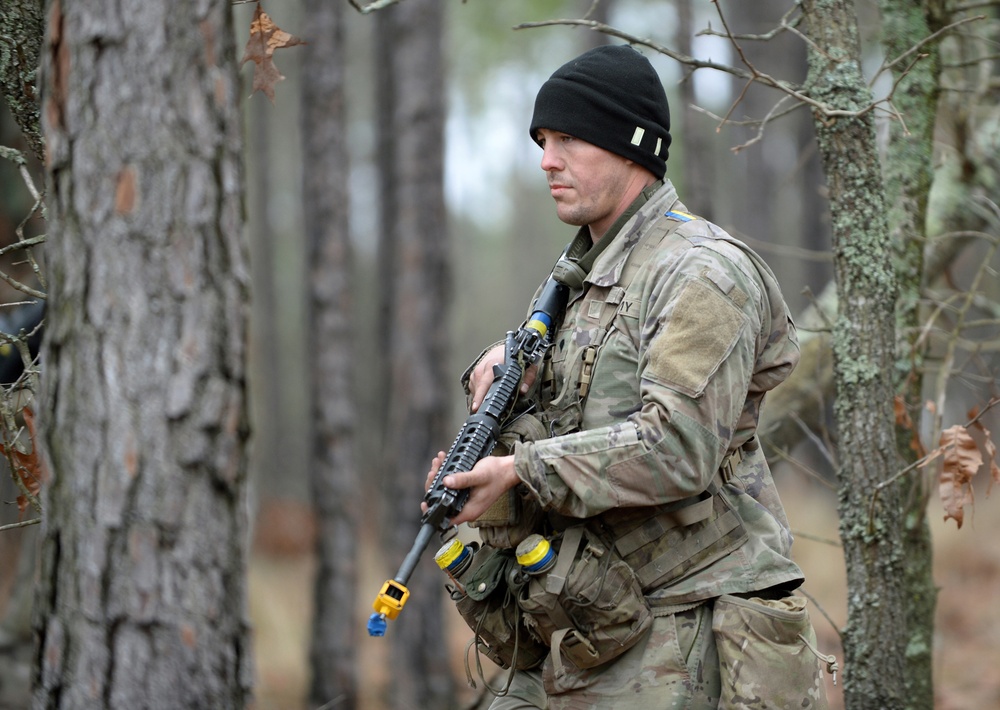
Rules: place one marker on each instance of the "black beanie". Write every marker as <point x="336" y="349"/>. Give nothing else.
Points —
<point x="613" y="98"/>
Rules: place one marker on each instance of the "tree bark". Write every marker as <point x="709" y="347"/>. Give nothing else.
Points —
<point x="698" y="168"/>
<point x="142" y="591"/>
<point x="908" y="176"/>
<point x="863" y="349"/>
<point x="333" y="475"/>
<point x="20" y="44"/>
<point x="414" y="281"/>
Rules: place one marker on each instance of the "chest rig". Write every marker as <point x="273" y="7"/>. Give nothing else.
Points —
<point x="661" y="543"/>
<point x="565" y="382"/>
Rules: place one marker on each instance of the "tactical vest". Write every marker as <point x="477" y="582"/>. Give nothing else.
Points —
<point x="661" y="543"/>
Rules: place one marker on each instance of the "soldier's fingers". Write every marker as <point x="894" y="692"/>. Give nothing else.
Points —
<point x="530" y="375"/>
<point x="482" y="376"/>
<point x="435" y="467"/>
<point x="479" y="392"/>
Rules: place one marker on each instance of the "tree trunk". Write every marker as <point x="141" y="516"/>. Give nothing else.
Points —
<point x="142" y="591"/>
<point x="414" y="281"/>
<point x="863" y="346"/>
<point x="908" y="176"/>
<point x="20" y="45"/>
<point x="698" y="168"/>
<point x="335" y="485"/>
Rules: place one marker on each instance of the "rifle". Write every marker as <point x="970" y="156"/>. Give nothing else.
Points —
<point x="475" y="440"/>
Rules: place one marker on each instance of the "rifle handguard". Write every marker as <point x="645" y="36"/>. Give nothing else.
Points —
<point x="476" y="440"/>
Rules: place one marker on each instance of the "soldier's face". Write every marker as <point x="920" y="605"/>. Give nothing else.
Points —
<point x="590" y="185"/>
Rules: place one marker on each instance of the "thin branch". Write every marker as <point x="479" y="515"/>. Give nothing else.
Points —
<point x="962" y="7"/>
<point x="822" y="611"/>
<point x="771" y="115"/>
<point x="16" y="157"/>
<point x="372" y="6"/>
<point x="822" y="446"/>
<point x="919" y="463"/>
<point x="815" y="538"/>
<point x="592" y="9"/>
<point x="975" y="61"/>
<point x="23" y="244"/>
<point x="783" y="26"/>
<point x="762" y="245"/>
<point x="762" y="78"/>
<point x="23" y="288"/>
<point x="22" y="524"/>
<point x="807" y="470"/>
<point x="925" y="41"/>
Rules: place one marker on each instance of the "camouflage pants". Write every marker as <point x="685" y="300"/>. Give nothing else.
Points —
<point x="675" y="667"/>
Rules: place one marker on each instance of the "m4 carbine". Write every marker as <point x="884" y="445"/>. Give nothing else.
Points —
<point x="475" y="440"/>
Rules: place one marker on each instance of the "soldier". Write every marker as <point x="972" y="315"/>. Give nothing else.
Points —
<point x="644" y="415"/>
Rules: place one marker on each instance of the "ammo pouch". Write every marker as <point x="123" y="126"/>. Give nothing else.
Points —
<point x="767" y="653"/>
<point x="516" y="514"/>
<point x="678" y="539"/>
<point x="488" y="607"/>
<point x="588" y="606"/>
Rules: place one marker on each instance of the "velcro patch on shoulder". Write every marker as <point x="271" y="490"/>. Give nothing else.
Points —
<point x="699" y="335"/>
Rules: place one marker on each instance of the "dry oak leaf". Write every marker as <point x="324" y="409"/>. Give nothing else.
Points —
<point x="962" y="460"/>
<point x="991" y="452"/>
<point x="28" y="467"/>
<point x="265" y="37"/>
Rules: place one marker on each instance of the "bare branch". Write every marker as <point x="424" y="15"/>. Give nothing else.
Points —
<point x="23" y="244"/>
<point x="776" y="112"/>
<point x="749" y="76"/>
<point x="22" y="287"/>
<point x="922" y="461"/>
<point x="372" y="6"/>
<point x="16" y="157"/>
<point x="815" y="603"/>
<point x="22" y="524"/>
<point x="977" y="4"/>
<point x="783" y="26"/>
<point x="915" y="49"/>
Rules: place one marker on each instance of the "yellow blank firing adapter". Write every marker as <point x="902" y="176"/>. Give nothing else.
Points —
<point x="388" y="604"/>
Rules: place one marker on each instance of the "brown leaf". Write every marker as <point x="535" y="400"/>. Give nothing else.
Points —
<point x="991" y="453"/>
<point x="28" y="467"/>
<point x="903" y="421"/>
<point x="265" y="37"/>
<point x="962" y="460"/>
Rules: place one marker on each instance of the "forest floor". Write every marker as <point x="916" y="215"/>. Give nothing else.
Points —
<point x="967" y="633"/>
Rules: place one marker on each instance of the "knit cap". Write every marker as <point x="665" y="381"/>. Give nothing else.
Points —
<point x="612" y="97"/>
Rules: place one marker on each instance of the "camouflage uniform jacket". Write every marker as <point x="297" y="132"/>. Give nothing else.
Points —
<point x="686" y="350"/>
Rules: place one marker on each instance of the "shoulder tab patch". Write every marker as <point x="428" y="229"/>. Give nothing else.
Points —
<point x="680" y="216"/>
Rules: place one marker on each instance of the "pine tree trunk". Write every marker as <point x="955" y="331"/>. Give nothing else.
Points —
<point x="414" y="280"/>
<point x="334" y="478"/>
<point x="142" y="592"/>
<point x="863" y="345"/>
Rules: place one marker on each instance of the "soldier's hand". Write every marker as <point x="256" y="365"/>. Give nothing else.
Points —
<point x="481" y="376"/>
<point x="490" y="478"/>
<point x="435" y="467"/>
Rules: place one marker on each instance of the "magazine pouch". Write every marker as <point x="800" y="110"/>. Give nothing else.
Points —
<point x="587" y="605"/>
<point x="490" y="609"/>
